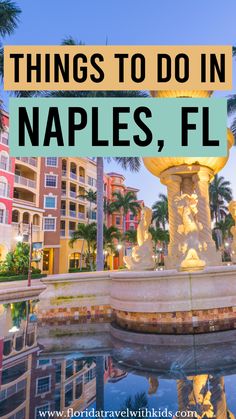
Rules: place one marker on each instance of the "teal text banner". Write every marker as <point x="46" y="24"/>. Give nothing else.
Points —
<point x="118" y="127"/>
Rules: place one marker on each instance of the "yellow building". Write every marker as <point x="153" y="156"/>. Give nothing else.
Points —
<point x="78" y="176"/>
<point x="26" y="201"/>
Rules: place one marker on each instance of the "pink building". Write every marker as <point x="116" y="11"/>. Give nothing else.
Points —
<point x="7" y="168"/>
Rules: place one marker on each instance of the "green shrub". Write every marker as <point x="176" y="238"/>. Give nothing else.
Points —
<point x="73" y="270"/>
<point x="20" y="277"/>
<point x="17" y="261"/>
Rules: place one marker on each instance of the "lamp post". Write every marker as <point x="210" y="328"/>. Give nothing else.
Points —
<point x="119" y="247"/>
<point x="19" y="238"/>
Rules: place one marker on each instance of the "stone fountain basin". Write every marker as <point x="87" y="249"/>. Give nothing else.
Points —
<point x="175" y="302"/>
<point x="146" y="301"/>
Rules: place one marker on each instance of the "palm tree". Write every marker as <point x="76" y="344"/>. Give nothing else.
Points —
<point x="159" y="236"/>
<point x="134" y="405"/>
<point x="224" y="226"/>
<point x="9" y="17"/>
<point x="130" y="236"/>
<point x="109" y="235"/>
<point x="160" y="211"/>
<point x="91" y="197"/>
<point x="220" y="194"/>
<point x="86" y="232"/>
<point x="126" y="203"/>
<point x="131" y="163"/>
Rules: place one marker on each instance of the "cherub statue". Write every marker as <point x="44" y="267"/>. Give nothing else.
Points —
<point x="142" y="255"/>
<point x="187" y="208"/>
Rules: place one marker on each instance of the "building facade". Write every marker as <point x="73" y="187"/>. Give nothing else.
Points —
<point x="7" y="168"/>
<point x="44" y="197"/>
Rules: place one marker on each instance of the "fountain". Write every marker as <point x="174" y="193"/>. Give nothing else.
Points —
<point x="195" y="293"/>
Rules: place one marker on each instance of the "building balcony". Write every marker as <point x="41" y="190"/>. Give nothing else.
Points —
<point x="24" y="202"/>
<point x="63" y="233"/>
<point x="63" y="192"/>
<point x="82" y="179"/>
<point x="63" y="211"/>
<point x="32" y="161"/>
<point x="73" y="175"/>
<point x="24" y="229"/>
<point x="29" y="183"/>
<point x="71" y="232"/>
<point x="63" y="172"/>
<point x="73" y="194"/>
<point x="81" y="215"/>
<point x="72" y="213"/>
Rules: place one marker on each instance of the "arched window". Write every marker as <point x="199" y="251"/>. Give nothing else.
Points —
<point x="15" y="216"/>
<point x="4" y="189"/>
<point x="36" y="220"/>
<point x="26" y="218"/>
<point x="4" y="160"/>
<point x="64" y="167"/>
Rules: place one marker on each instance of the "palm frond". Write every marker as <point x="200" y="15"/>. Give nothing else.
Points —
<point x="129" y="163"/>
<point x="9" y="17"/>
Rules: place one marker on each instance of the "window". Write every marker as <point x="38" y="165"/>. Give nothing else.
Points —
<point x="12" y="373"/>
<point x="51" y="161"/>
<point x="18" y="415"/>
<point x="3" y="188"/>
<point x="78" y="387"/>
<point x="69" y="368"/>
<point x="4" y="138"/>
<point x="92" y="181"/>
<point x="68" y="394"/>
<point x="4" y="161"/>
<point x="57" y="398"/>
<point x="117" y="221"/>
<point x="2" y="216"/>
<point x="50" y="201"/>
<point x="43" y="385"/>
<point x="42" y="409"/>
<point x="131" y="216"/>
<point x="90" y="375"/>
<point x="49" y="224"/>
<point x="43" y="362"/>
<point x="58" y="373"/>
<point x="51" y="181"/>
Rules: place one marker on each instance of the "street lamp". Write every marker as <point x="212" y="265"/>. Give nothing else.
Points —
<point x="19" y="239"/>
<point x="119" y="247"/>
<point x="14" y="329"/>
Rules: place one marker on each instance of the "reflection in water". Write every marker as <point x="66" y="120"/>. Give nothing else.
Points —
<point x="48" y="369"/>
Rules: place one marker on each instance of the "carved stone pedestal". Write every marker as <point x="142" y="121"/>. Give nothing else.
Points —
<point x="191" y="245"/>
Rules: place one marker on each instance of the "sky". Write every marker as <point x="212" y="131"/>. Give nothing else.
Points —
<point x="131" y="22"/>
